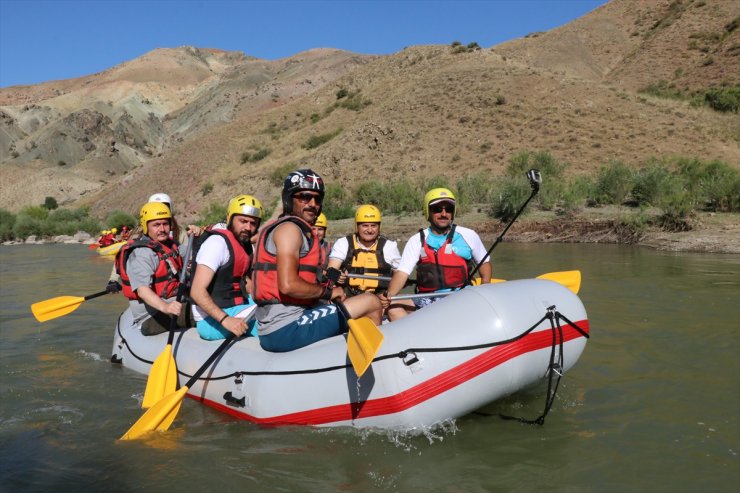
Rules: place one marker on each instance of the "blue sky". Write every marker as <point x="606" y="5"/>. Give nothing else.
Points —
<point x="43" y="40"/>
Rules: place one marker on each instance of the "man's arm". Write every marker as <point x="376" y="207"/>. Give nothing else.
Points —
<point x="485" y="272"/>
<point x="288" y="241"/>
<point x="201" y="297"/>
<point x="148" y="296"/>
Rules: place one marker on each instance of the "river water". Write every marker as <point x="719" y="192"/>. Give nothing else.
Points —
<point x="652" y="405"/>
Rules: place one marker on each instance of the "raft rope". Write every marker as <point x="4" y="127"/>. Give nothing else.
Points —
<point x="553" y="368"/>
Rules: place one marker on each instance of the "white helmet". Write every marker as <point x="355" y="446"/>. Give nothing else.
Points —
<point x="161" y="197"/>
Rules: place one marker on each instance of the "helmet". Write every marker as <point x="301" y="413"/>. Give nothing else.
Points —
<point x="437" y="195"/>
<point x="152" y="211"/>
<point x="245" y="205"/>
<point x="161" y="197"/>
<point x="300" y="179"/>
<point x="114" y="231"/>
<point x="367" y="214"/>
<point x="321" y="221"/>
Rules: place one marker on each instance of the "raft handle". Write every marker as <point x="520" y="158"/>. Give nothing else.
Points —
<point x="410" y="361"/>
<point x="116" y="359"/>
<point x="240" y="402"/>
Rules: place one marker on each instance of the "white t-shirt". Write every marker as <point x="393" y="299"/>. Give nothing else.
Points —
<point x="213" y="253"/>
<point x="340" y="249"/>
<point x="412" y="250"/>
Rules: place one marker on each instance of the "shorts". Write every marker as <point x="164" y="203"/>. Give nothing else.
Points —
<point x="422" y="302"/>
<point x="210" y="330"/>
<point x="315" y="324"/>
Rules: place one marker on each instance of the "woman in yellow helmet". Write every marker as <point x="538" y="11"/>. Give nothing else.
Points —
<point x="319" y="231"/>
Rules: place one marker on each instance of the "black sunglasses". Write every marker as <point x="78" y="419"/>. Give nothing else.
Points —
<point x="306" y="197"/>
<point x="437" y="208"/>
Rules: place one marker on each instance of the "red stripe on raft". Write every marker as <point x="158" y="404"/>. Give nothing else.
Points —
<point x="415" y="395"/>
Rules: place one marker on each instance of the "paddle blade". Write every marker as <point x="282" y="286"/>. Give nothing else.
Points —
<point x="159" y="417"/>
<point x="93" y="246"/>
<point x="571" y="279"/>
<point x="363" y="342"/>
<point x="495" y="281"/>
<point x="162" y="378"/>
<point x="55" y="307"/>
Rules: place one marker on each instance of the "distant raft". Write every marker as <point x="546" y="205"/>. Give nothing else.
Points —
<point x="445" y="361"/>
<point x="111" y="249"/>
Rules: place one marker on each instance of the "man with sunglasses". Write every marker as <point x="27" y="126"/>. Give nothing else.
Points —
<point x="291" y="312"/>
<point x="442" y="255"/>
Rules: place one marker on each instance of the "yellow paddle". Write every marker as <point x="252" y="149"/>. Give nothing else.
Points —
<point x="161" y="415"/>
<point x="162" y="378"/>
<point x="571" y="279"/>
<point x="363" y="341"/>
<point x="60" y="306"/>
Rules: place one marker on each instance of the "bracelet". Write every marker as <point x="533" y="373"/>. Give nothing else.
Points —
<point x="223" y="318"/>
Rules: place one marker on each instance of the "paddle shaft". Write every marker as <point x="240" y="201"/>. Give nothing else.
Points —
<point x="101" y="293"/>
<point x="534" y="181"/>
<point x="420" y="295"/>
<point x="180" y="289"/>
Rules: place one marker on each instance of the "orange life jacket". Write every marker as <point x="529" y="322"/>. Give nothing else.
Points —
<point x="264" y="272"/>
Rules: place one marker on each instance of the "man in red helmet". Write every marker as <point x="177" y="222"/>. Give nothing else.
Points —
<point x="285" y="285"/>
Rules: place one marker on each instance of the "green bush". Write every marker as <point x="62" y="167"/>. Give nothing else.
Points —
<point x="26" y="226"/>
<point x="337" y="202"/>
<point x="256" y="156"/>
<point x="316" y="140"/>
<point x="394" y="197"/>
<point x="50" y="203"/>
<point x="720" y="187"/>
<point x="117" y="218"/>
<point x="724" y="99"/>
<point x="512" y="193"/>
<point x="215" y="213"/>
<point x="476" y="188"/>
<point x="655" y="185"/>
<point x="35" y="212"/>
<point x="613" y="183"/>
<point x="206" y="189"/>
<point x="278" y="175"/>
<point x="7" y="221"/>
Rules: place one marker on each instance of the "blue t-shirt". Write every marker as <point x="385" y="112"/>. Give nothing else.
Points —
<point x="459" y="245"/>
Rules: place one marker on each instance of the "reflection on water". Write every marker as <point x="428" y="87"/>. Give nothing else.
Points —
<point x="653" y="404"/>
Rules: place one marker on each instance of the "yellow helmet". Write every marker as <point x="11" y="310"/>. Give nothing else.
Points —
<point x="437" y="195"/>
<point x="245" y="205"/>
<point x="114" y="231"/>
<point x="321" y="221"/>
<point x="151" y="211"/>
<point x="367" y="213"/>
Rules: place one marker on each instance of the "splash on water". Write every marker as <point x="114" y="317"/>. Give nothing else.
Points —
<point x="89" y="355"/>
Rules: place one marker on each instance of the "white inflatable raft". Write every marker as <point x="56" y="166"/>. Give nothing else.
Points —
<point x="444" y="361"/>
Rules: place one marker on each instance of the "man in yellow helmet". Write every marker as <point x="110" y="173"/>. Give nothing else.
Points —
<point x="365" y="253"/>
<point x="319" y="231"/>
<point x="442" y="255"/>
<point x="223" y="265"/>
<point x="149" y="268"/>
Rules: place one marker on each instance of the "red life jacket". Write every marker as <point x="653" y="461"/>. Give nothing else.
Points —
<point x="440" y="269"/>
<point x="227" y="288"/>
<point x="264" y="274"/>
<point x="165" y="280"/>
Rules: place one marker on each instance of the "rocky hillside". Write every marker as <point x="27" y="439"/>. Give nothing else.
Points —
<point x="204" y="125"/>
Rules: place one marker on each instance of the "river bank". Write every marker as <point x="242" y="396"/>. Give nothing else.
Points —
<point x="709" y="233"/>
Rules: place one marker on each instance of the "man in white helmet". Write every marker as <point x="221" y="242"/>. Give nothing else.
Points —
<point x="223" y="264"/>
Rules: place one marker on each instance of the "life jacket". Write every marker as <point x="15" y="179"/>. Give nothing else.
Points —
<point x="366" y="262"/>
<point x="440" y="269"/>
<point x="165" y="281"/>
<point x="265" y="289"/>
<point x="227" y="288"/>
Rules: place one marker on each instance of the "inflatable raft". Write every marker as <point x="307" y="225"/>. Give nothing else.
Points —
<point x="444" y="361"/>
<point x="111" y="249"/>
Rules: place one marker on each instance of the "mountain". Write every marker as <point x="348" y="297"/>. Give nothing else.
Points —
<point x="204" y="125"/>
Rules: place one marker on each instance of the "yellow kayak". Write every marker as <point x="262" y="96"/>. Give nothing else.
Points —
<point x="111" y="249"/>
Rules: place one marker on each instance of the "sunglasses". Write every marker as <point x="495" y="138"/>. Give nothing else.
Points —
<point x="437" y="208"/>
<point x="305" y="198"/>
